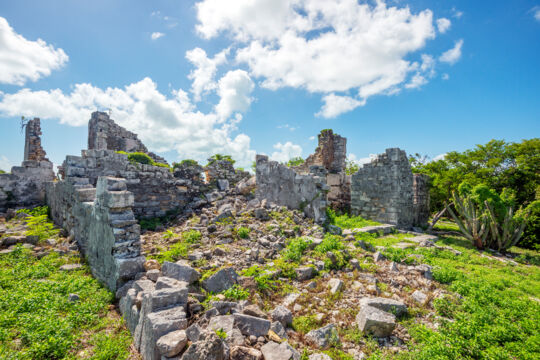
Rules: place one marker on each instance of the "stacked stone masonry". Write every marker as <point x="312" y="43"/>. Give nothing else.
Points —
<point x="105" y="134"/>
<point x="103" y="224"/>
<point x="331" y="154"/>
<point x="156" y="190"/>
<point x="383" y="191"/>
<point x="276" y="183"/>
<point x="24" y="186"/>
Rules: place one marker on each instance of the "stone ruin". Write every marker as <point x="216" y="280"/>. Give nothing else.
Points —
<point x="105" y="134"/>
<point x="386" y="191"/>
<point x="24" y="186"/>
<point x="102" y="195"/>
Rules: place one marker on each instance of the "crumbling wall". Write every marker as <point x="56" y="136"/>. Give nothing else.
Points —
<point x="331" y="154"/>
<point x="156" y="190"/>
<point x="105" y="134"/>
<point x="32" y="142"/>
<point x="24" y="186"/>
<point x="102" y="222"/>
<point x="383" y="190"/>
<point x="283" y="186"/>
<point x="421" y="199"/>
<point x="223" y="170"/>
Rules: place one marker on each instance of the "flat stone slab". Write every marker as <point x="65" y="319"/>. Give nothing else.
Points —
<point x="385" y="228"/>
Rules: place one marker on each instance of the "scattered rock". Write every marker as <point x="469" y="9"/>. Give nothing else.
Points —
<point x="275" y="351"/>
<point x="220" y="281"/>
<point x="305" y="273"/>
<point x="324" y="337"/>
<point x="335" y="285"/>
<point x="180" y="272"/>
<point x="172" y="344"/>
<point x="245" y="353"/>
<point x="251" y="325"/>
<point x="70" y="267"/>
<point x="209" y="347"/>
<point x="73" y="297"/>
<point x="283" y="315"/>
<point x="419" y="296"/>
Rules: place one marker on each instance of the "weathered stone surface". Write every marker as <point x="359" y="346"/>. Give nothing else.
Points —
<point x="395" y="307"/>
<point x="324" y="337"/>
<point x="375" y="321"/>
<point x="305" y="273"/>
<point x="251" y="325"/>
<point x="275" y="351"/>
<point x="180" y="272"/>
<point x="254" y="310"/>
<point x="319" y="357"/>
<point x="193" y="332"/>
<point x="383" y="191"/>
<point x="245" y="353"/>
<point x="335" y="285"/>
<point x="419" y="296"/>
<point x="164" y="282"/>
<point x="222" y="322"/>
<point x="220" y="281"/>
<point x="281" y="185"/>
<point x="283" y="315"/>
<point x="172" y="343"/>
<point x="209" y="347"/>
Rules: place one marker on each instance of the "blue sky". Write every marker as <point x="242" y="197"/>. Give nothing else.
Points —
<point x="193" y="78"/>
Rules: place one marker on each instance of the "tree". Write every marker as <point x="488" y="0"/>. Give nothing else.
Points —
<point x="295" y="161"/>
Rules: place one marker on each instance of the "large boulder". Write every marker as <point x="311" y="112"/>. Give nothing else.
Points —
<point x="324" y="337"/>
<point x="180" y="272"/>
<point x="209" y="347"/>
<point x="220" y="281"/>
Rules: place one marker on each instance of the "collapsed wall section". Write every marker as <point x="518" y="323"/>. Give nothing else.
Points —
<point x="155" y="188"/>
<point x="24" y="186"/>
<point x="103" y="224"/>
<point x="281" y="185"/>
<point x="383" y="190"/>
<point x="105" y="134"/>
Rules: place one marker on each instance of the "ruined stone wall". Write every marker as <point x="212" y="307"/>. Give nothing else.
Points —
<point x="383" y="190"/>
<point x="330" y="153"/>
<point x="421" y="199"/>
<point x="155" y="188"/>
<point x="32" y="142"/>
<point x="223" y="170"/>
<point x="105" y="134"/>
<point x="102" y="222"/>
<point x="283" y="186"/>
<point x="24" y="186"/>
<point x="339" y="196"/>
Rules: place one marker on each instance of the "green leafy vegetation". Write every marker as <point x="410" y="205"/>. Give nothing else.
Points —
<point x="295" y="249"/>
<point x="219" y="157"/>
<point x="504" y="167"/>
<point x="236" y="293"/>
<point x="221" y="333"/>
<point x="186" y="162"/>
<point x="295" y="161"/>
<point x="242" y="232"/>
<point x="37" y="211"/>
<point x="179" y="249"/>
<point x="351" y="167"/>
<point x="41" y="227"/>
<point x="2" y="171"/>
<point x="142" y="158"/>
<point x="37" y="320"/>
<point x="304" y="324"/>
<point x="345" y="221"/>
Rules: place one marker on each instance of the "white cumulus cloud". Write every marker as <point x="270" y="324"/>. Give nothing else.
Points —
<point x="23" y="60"/>
<point x="234" y="89"/>
<point x="453" y="55"/>
<point x="163" y="122"/>
<point x="536" y="12"/>
<point x="335" y="105"/>
<point x="286" y="151"/>
<point x="205" y="70"/>
<point x="156" y="35"/>
<point x="328" y="47"/>
<point x="5" y="164"/>
<point x="443" y="24"/>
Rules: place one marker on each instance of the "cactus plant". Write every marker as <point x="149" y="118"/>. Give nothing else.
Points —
<point x="507" y="233"/>
<point x="473" y="220"/>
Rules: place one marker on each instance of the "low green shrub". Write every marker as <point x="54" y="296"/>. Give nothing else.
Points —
<point x="41" y="227"/>
<point x="236" y="292"/>
<point x="242" y="232"/>
<point x="37" y="211"/>
<point x="295" y="249"/>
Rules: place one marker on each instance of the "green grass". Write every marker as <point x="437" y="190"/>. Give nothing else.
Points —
<point x="37" y="321"/>
<point x="304" y="324"/>
<point x="497" y="317"/>
<point x="348" y="222"/>
<point x="179" y="249"/>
